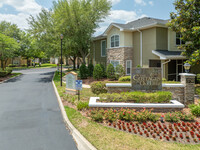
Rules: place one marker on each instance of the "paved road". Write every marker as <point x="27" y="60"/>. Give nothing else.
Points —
<point x="30" y="118"/>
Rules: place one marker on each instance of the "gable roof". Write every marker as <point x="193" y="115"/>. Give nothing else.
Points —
<point x="137" y="24"/>
<point x="165" y="54"/>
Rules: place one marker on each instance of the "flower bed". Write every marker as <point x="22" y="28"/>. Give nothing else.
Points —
<point x="137" y="97"/>
<point x="148" y="124"/>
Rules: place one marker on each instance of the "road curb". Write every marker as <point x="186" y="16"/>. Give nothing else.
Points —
<point x="82" y="142"/>
<point x="10" y="78"/>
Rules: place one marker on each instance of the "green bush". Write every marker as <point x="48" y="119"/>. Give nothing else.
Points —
<point x="198" y="78"/>
<point x="195" y="109"/>
<point x="110" y="71"/>
<point x="119" y="71"/>
<point x="9" y="70"/>
<point x="97" y="116"/>
<point x="104" y="70"/>
<point x="98" y="72"/>
<point x="83" y="71"/>
<point x="12" y="65"/>
<point x="24" y="65"/>
<point x="82" y="105"/>
<point x="172" y="117"/>
<point x="3" y="73"/>
<point x="138" y="97"/>
<point x="110" y="115"/>
<point x="90" y="70"/>
<point x="126" y="78"/>
<point x="98" y="88"/>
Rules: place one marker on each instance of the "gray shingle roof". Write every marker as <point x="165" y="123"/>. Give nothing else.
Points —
<point x="145" y="21"/>
<point x="169" y="53"/>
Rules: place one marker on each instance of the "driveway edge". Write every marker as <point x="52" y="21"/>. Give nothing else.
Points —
<point x="10" y="78"/>
<point x="82" y="142"/>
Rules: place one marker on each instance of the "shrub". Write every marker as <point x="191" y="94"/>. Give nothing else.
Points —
<point x="98" y="88"/>
<point x="3" y="73"/>
<point x="110" y="115"/>
<point x="98" y="72"/>
<point x="126" y="78"/>
<point x="24" y="65"/>
<point x="119" y="71"/>
<point x="137" y="97"/>
<point x="83" y="71"/>
<point x="90" y="70"/>
<point x="198" y="78"/>
<point x="195" y="109"/>
<point x="127" y="115"/>
<point x="97" y="116"/>
<point x="186" y="117"/>
<point x="172" y="117"/>
<point x="82" y="105"/>
<point x="9" y="70"/>
<point x="12" y="65"/>
<point x="110" y="71"/>
<point x="104" y="70"/>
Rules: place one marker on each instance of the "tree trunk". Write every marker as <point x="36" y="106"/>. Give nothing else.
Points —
<point x="78" y="63"/>
<point x="27" y="61"/>
<point x="74" y="62"/>
<point x="2" y="64"/>
<point x="66" y="57"/>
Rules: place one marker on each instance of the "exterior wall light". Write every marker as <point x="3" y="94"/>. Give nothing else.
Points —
<point x="187" y="67"/>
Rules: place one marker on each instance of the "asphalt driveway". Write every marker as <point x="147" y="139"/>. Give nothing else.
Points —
<point x="30" y="118"/>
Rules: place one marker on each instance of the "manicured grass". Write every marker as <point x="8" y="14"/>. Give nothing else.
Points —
<point x="47" y="65"/>
<point x="105" y="138"/>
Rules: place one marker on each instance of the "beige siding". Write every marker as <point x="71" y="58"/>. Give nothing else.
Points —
<point x="172" y="41"/>
<point x="149" y="44"/>
<point x="128" y="39"/>
<point x="115" y="31"/>
<point x="136" y="49"/>
<point x="161" y="38"/>
<point x="96" y="49"/>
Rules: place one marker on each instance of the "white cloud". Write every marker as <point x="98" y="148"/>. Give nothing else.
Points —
<point x="115" y="1"/>
<point x="140" y="2"/>
<point x="151" y="3"/>
<point x="25" y="8"/>
<point x="118" y="16"/>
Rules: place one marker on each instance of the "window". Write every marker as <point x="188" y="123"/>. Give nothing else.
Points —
<point x="154" y="63"/>
<point x="103" y="48"/>
<point x="178" y="39"/>
<point x="115" y="63"/>
<point x="114" y="41"/>
<point x="128" y="67"/>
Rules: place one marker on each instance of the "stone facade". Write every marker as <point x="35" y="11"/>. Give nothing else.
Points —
<point x="188" y="80"/>
<point x="177" y="93"/>
<point x="122" y="54"/>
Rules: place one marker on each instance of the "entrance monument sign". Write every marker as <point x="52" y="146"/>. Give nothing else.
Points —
<point x="71" y="78"/>
<point x="148" y="79"/>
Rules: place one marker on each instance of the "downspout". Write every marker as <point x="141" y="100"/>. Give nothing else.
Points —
<point x="163" y="66"/>
<point x="140" y="47"/>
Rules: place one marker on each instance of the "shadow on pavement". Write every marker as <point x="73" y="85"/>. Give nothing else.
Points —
<point x="14" y="79"/>
<point x="48" y="73"/>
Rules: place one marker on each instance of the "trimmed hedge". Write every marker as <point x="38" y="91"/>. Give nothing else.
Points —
<point x="98" y="72"/>
<point x="110" y="71"/>
<point x="126" y="78"/>
<point x="90" y="70"/>
<point x="83" y="71"/>
<point x="138" y="97"/>
<point x="98" y="88"/>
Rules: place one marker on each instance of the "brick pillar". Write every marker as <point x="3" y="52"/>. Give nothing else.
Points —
<point x="188" y="80"/>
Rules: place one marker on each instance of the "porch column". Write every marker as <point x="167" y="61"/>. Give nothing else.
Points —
<point x="188" y="80"/>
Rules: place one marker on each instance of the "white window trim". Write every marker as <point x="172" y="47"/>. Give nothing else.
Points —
<point x="180" y="40"/>
<point x="130" y="66"/>
<point x="101" y="48"/>
<point x="115" y="60"/>
<point x="114" y="41"/>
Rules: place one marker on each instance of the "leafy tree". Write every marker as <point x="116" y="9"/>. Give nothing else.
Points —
<point x="78" y="19"/>
<point x="186" y="21"/>
<point x="8" y="46"/>
<point x="83" y="71"/>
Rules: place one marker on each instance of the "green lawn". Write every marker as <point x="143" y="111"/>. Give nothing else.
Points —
<point x="15" y="74"/>
<point x="47" y="65"/>
<point x="104" y="138"/>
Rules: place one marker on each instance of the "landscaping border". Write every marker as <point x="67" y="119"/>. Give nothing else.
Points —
<point x="82" y="142"/>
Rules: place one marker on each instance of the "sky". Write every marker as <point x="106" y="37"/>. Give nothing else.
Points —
<point x="122" y="11"/>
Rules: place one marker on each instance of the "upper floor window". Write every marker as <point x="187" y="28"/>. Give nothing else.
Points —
<point x="179" y="41"/>
<point x="115" y="41"/>
<point x="103" y="48"/>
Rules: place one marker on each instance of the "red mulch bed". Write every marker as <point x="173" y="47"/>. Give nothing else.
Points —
<point x="89" y="80"/>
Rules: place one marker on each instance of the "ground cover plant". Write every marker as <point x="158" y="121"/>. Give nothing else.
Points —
<point x="147" y="124"/>
<point x="137" y="97"/>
